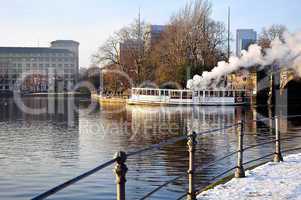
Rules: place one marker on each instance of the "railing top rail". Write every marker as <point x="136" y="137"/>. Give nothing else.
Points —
<point x="177" y="139"/>
<point x="72" y="181"/>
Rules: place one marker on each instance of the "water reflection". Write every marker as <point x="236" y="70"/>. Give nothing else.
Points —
<point x="41" y="151"/>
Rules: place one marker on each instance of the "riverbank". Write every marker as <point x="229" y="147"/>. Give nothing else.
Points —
<point x="269" y="181"/>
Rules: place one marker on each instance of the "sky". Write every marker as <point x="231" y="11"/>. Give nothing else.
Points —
<point x="91" y="22"/>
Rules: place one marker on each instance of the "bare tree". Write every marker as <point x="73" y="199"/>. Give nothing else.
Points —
<point x="192" y="40"/>
<point x="125" y="48"/>
<point x="270" y="33"/>
<point x="108" y="53"/>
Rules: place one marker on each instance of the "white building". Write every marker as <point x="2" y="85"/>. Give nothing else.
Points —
<point x="37" y="69"/>
<point x="244" y="38"/>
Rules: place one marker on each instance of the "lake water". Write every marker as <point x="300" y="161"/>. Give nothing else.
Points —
<point x="71" y="136"/>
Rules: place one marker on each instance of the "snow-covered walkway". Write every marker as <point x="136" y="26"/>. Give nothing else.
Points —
<point x="267" y="182"/>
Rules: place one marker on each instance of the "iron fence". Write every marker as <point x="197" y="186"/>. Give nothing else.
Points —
<point x="121" y="169"/>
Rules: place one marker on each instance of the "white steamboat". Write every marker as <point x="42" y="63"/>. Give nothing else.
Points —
<point x="222" y="97"/>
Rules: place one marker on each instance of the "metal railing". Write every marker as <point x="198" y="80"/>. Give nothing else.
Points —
<point x="121" y="169"/>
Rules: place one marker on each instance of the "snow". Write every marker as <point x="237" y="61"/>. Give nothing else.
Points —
<point x="267" y="182"/>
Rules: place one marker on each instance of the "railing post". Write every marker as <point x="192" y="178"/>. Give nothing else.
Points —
<point x="277" y="156"/>
<point x="120" y="172"/>
<point x="240" y="172"/>
<point x="191" y="149"/>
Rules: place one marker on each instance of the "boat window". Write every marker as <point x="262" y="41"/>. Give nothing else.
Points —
<point x="211" y="93"/>
<point x="221" y="94"/>
<point x="162" y="93"/>
<point x="206" y="93"/>
<point x="230" y="93"/>
<point x="175" y="95"/>
<point x="189" y="95"/>
<point x="196" y="93"/>
<point x="184" y="95"/>
<point x="201" y="93"/>
<point x="166" y="93"/>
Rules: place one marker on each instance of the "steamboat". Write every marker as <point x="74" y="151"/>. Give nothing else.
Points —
<point x="216" y="97"/>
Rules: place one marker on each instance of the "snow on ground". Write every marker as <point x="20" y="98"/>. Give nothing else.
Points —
<point x="267" y="182"/>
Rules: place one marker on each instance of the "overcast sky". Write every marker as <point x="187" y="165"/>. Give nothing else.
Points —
<point x="90" y="22"/>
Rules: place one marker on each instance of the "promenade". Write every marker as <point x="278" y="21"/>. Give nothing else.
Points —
<point x="270" y="181"/>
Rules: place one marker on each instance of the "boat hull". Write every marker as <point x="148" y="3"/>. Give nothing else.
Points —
<point x="187" y="103"/>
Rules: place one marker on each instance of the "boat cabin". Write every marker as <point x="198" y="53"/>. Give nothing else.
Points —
<point x="196" y="97"/>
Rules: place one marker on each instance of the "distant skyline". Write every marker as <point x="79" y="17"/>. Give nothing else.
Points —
<point x="37" y="23"/>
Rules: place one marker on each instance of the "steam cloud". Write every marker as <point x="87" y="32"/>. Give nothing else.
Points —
<point x="285" y="54"/>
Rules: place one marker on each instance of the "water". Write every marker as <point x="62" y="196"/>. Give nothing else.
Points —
<point x="40" y="151"/>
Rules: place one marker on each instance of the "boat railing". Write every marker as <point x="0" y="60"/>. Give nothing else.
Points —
<point x="193" y="189"/>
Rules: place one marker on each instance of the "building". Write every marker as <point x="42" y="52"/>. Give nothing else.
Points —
<point x="244" y="38"/>
<point x="130" y="51"/>
<point x="39" y="69"/>
<point x="154" y="34"/>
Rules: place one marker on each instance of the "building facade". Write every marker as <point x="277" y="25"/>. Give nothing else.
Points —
<point x="36" y="69"/>
<point x="244" y="38"/>
<point x="154" y="34"/>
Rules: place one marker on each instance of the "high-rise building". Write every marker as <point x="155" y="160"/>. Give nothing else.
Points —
<point x="154" y="34"/>
<point x="244" y="38"/>
<point x="39" y="69"/>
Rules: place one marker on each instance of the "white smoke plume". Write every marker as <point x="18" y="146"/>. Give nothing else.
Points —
<point x="285" y="54"/>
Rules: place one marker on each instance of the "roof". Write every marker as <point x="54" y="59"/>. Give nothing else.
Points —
<point x="32" y="50"/>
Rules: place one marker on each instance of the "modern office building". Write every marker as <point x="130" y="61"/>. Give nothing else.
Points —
<point x="154" y="34"/>
<point x="36" y="69"/>
<point x="244" y="38"/>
